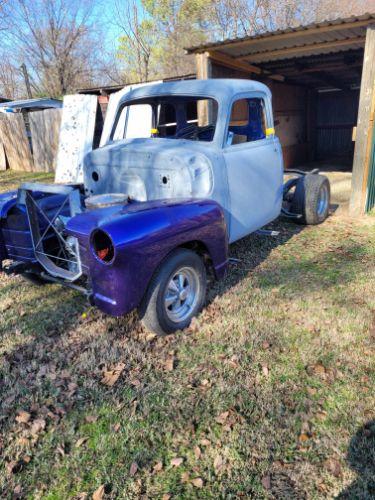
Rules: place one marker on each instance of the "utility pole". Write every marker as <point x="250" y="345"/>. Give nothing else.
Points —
<point x="27" y="80"/>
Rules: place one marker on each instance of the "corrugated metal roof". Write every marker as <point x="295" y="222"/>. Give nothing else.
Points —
<point x="43" y="103"/>
<point x="109" y="89"/>
<point x="342" y="30"/>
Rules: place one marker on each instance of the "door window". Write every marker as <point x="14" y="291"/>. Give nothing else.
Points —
<point x="247" y="121"/>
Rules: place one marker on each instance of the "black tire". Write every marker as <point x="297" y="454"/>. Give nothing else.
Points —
<point x="34" y="278"/>
<point x="311" y="199"/>
<point x="154" y="312"/>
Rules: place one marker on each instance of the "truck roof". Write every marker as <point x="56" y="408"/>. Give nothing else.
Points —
<point x="219" y="88"/>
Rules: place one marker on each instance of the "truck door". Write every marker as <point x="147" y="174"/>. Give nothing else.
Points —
<point x="254" y="165"/>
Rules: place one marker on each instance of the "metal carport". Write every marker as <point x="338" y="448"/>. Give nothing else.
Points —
<point x="323" y="81"/>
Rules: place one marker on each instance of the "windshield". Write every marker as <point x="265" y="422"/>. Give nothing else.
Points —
<point x="171" y="117"/>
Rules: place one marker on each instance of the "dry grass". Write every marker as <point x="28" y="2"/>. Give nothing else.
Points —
<point x="268" y="395"/>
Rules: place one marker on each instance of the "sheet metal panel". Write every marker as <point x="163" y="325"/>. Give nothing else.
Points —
<point x="336" y="116"/>
<point x="76" y="136"/>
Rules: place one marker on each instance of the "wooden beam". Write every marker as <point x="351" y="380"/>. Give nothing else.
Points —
<point x="292" y="34"/>
<point x="230" y="62"/>
<point x="365" y="126"/>
<point x="204" y="72"/>
<point x="203" y="66"/>
<point x="296" y="51"/>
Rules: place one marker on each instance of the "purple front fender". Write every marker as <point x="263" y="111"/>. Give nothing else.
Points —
<point x="143" y="234"/>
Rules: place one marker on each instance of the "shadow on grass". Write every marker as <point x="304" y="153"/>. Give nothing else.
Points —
<point x="361" y="458"/>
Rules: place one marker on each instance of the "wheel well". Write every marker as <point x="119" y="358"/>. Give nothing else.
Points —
<point x="201" y="249"/>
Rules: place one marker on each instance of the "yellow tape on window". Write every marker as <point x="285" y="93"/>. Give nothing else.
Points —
<point x="270" y="131"/>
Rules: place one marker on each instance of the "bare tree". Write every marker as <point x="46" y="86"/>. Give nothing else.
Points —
<point x="11" y="85"/>
<point x="55" y="40"/>
<point x="137" y="40"/>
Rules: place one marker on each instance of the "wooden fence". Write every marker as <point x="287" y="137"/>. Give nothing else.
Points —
<point x="29" y="142"/>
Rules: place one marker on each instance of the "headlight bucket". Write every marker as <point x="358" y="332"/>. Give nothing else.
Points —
<point x="102" y="246"/>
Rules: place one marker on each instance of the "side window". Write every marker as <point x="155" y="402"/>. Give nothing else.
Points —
<point x="247" y="121"/>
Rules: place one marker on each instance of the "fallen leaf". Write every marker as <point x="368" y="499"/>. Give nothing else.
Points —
<point x="205" y="442"/>
<point x="311" y="391"/>
<point x="158" y="467"/>
<point x="197" y="482"/>
<point x="150" y="336"/>
<point x="303" y="437"/>
<point x="17" y="490"/>
<point x="99" y="493"/>
<point x="166" y="496"/>
<point x="135" y="382"/>
<point x="266" y="482"/>
<point x="197" y="452"/>
<point x="80" y="442"/>
<point x="37" y="426"/>
<point x="333" y="466"/>
<point x="185" y="477"/>
<point x="60" y="450"/>
<point x="218" y="462"/>
<point x="72" y="386"/>
<point x="265" y="370"/>
<point x="176" y="462"/>
<point x="319" y="369"/>
<point x="110" y="377"/>
<point x="133" y="469"/>
<point x="116" y="427"/>
<point x="23" y="417"/>
<point x="321" y="415"/>
<point x="265" y="345"/>
<point x="169" y="364"/>
<point x="90" y="419"/>
<point x="221" y="419"/>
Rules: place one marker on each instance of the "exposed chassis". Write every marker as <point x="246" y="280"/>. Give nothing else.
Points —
<point x="64" y="263"/>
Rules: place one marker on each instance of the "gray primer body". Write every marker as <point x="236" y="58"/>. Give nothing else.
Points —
<point x="245" y="179"/>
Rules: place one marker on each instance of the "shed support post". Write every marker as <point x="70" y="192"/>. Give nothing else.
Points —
<point x="204" y="72"/>
<point x="365" y="125"/>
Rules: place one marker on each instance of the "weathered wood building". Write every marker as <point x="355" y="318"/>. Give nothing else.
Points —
<point x="323" y="81"/>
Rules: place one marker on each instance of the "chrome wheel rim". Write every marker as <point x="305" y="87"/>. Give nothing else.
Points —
<point x="322" y="200"/>
<point x="181" y="294"/>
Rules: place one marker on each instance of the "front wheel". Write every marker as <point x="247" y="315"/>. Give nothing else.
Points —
<point x="176" y="293"/>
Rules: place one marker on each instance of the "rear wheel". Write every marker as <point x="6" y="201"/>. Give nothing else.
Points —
<point x="176" y="293"/>
<point x="311" y="199"/>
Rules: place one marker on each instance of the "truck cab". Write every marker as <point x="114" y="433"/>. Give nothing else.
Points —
<point x="198" y="140"/>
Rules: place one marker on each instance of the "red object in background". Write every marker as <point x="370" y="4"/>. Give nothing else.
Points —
<point x="102" y="254"/>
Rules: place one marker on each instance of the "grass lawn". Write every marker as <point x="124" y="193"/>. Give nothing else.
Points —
<point x="270" y="393"/>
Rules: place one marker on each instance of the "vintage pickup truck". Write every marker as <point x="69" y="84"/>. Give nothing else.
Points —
<point x="158" y="210"/>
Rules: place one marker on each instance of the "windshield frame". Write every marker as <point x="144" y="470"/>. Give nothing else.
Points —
<point x="145" y="100"/>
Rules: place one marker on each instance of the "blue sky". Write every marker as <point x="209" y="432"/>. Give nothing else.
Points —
<point x="105" y="14"/>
